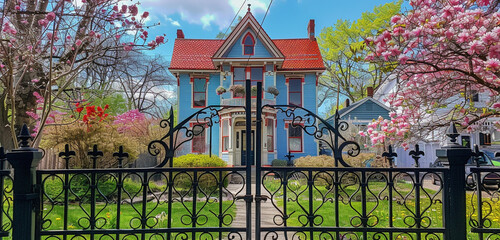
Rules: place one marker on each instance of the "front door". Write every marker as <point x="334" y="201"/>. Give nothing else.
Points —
<point x="244" y="160"/>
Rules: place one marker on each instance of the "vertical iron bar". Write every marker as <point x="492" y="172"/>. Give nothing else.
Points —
<point x="195" y="193"/>
<point x="144" y="203"/>
<point x="92" y="199"/>
<point x="479" y="202"/>
<point x="285" y="199"/>
<point x="363" y="203"/>
<point x="258" y="159"/>
<point x="210" y="141"/>
<point x="66" y="196"/>
<point x="119" y="201"/>
<point x="170" y="155"/>
<point x="310" y="182"/>
<point x="248" y="122"/>
<point x="418" y="184"/>
<point x="337" y="213"/>
<point x="221" y="216"/>
<point x="391" y="188"/>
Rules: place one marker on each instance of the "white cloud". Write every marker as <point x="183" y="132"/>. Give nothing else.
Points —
<point x="172" y="21"/>
<point x="207" y="13"/>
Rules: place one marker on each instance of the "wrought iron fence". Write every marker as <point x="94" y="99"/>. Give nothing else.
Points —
<point x="355" y="203"/>
<point x="484" y="202"/>
<point x="6" y="198"/>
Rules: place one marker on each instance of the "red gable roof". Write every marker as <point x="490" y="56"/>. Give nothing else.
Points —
<point x="196" y="54"/>
<point x="300" y="54"/>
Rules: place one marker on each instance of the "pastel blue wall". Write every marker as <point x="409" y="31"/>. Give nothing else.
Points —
<point x="236" y="51"/>
<point x="185" y="109"/>
<point x="310" y="146"/>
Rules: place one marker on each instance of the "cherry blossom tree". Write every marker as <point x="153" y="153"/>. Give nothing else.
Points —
<point x="446" y="53"/>
<point x="45" y="45"/>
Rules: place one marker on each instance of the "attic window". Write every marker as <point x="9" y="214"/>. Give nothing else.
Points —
<point x="248" y="44"/>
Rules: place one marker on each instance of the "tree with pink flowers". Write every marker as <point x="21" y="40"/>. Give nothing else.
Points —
<point x="446" y="53"/>
<point x="45" y="45"/>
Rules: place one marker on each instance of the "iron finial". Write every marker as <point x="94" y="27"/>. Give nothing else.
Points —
<point x="390" y="155"/>
<point x="66" y="155"/>
<point x="416" y="154"/>
<point x="249" y="5"/>
<point x="94" y="155"/>
<point x="24" y="136"/>
<point x="452" y="133"/>
<point x="120" y="155"/>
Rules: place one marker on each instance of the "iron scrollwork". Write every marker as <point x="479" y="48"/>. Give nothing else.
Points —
<point x="179" y="134"/>
<point x="310" y="123"/>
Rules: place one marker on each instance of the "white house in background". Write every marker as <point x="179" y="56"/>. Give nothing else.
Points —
<point x="484" y="137"/>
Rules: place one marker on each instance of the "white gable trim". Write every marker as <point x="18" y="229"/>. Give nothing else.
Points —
<point x="248" y="21"/>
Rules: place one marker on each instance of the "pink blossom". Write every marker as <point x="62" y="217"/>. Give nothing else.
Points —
<point x="118" y="36"/>
<point x="50" y="16"/>
<point x="124" y="9"/>
<point x="43" y="22"/>
<point x="115" y="8"/>
<point x="361" y="133"/>
<point x="493" y="64"/>
<point x="160" y="39"/>
<point x="35" y="80"/>
<point x="145" y="14"/>
<point x="496" y="105"/>
<point x="133" y="10"/>
<point x="395" y="18"/>
<point x="78" y="42"/>
<point x="18" y="7"/>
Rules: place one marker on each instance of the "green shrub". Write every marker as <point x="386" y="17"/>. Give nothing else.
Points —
<point x="206" y="181"/>
<point x="279" y="163"/>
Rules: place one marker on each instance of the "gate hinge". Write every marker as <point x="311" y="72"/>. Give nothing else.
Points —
<point x="247" y="198"/>
<point x="259" y="198"/>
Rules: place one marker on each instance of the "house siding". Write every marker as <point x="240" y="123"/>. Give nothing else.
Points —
<point x="260" y="50"/>
<point x="367" y="111"/>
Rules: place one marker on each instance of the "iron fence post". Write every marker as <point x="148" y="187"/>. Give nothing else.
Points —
<point x="455" y="156"/>
<point x="24" y="160"/>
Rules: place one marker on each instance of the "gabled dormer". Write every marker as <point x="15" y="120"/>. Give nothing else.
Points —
<point x="248" y="40"/>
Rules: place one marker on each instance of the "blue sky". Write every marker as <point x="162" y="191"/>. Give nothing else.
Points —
<point x="286" y="18"/>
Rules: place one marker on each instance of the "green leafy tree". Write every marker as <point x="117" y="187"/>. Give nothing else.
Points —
<point x="343" y="50"/>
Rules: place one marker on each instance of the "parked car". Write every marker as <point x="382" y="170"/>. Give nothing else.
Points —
<point x="494" y="156"/>
<point x="490" y="180"/>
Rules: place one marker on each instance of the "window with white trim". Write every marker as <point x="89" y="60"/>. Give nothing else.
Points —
<point x="248" y="44"/>
<point x="199" y="92"/>
<point x="225" y="135"/>
<point x="295" y="92"/>
<point x="294" y="138"/>
<point x="270" y="135"/>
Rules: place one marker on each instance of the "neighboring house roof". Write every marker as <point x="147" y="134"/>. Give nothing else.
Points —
<point x="198" y="54"/>
<point x="194" y="54"/>
<point x="345" y="112"/>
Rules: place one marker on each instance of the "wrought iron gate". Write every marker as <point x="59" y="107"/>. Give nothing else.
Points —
<point x="337" y="202"/>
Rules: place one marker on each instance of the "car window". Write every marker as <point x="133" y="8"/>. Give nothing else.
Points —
<point x="483" y="161"/>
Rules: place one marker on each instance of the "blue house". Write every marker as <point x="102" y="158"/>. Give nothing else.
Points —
<point x="290" y="65"/>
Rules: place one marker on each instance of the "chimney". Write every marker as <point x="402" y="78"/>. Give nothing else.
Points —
<point x="310" y="30"/>
<point x="180" y="33"/>
<point x="369" y="91"/>
<point x="347" y="102"/>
